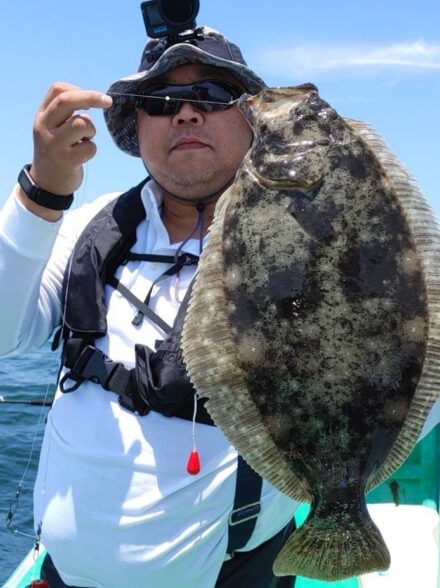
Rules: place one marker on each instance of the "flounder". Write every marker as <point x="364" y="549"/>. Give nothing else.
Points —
<point x="313" y="325"/>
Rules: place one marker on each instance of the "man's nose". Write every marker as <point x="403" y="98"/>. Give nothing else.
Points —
<point x="188" y="113"/>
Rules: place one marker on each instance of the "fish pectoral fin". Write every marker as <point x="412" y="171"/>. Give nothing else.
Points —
<point x="309" y="192"/>
<point x="312" y="220"/>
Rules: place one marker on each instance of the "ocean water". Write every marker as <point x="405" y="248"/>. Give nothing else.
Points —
<point x="27" y="377"/>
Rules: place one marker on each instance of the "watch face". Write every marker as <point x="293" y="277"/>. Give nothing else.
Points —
<point x="27" y="184"/>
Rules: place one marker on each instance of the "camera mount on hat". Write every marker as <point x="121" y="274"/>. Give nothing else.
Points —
<point x="173" y="19"/>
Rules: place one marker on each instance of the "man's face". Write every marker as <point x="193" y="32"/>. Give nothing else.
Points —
<point x="193" y="154"/>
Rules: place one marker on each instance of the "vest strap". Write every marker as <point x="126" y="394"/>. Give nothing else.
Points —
<point x="143" y="309"/>
<point x="247" y="507"/>
<point x="178" y="262"/>
<point x="136" y="388"/>
<point x="86" y="362"/>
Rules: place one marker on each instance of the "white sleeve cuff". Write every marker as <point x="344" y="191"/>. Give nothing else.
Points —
<point x="25" y="232"/>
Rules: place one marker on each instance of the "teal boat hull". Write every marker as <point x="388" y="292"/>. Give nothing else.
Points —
<point x="27" y="571"/>
<point x="418" y="482"/>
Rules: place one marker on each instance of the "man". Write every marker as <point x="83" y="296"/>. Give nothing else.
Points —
<point x="115" y="502"/>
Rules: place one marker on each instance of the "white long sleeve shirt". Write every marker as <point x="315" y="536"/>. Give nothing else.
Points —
<point x="116" y="503"/>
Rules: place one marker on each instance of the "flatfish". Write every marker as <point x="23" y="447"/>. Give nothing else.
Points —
<point x="313" y="325"/>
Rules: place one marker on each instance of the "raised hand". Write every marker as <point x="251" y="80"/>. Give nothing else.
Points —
<point x="63" y="141"/>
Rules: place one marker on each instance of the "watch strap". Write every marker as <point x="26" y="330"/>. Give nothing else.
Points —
<point x="40" y="196"/>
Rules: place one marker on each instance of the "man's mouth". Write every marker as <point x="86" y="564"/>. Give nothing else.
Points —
<point x="188" y="143"/>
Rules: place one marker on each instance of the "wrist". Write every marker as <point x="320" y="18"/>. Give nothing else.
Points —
<point x="40" y="211"/>
<point x="43" y="198"/>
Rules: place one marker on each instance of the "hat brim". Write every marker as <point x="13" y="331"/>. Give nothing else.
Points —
<point x="121" y="116"/>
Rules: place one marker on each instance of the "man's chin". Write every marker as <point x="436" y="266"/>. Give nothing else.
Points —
<point x="193" y="187"/>
<point x="192" y="198"/>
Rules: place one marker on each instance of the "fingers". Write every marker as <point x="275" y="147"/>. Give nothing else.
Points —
<point x="63" y="100"/>
<point x="63" y="137"/>
<point x="59" y="88"/>
<point x="55" y="90"/>
<point x="79" y="127"/>
<point x="74" y="140"/>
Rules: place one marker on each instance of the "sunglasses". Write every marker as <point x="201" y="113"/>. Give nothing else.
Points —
<point x="205" y="96"/>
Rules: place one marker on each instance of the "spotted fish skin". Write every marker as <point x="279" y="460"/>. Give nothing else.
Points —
<point x="321" y="314"/>
<point x="326" y="300"/>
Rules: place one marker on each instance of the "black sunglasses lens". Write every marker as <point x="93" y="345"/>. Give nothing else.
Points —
<point x="206" y="96"/>
<point x="156" y="105"/>
<point x="213" y="95"/>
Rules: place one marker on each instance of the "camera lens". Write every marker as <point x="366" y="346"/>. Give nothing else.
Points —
<point x="178" y="12"/>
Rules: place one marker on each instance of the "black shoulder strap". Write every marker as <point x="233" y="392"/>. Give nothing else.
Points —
<point x="101" y="247"/>
<point x="247" y="506"/>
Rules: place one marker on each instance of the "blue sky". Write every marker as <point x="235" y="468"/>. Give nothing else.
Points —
<point x="375" y="61"/>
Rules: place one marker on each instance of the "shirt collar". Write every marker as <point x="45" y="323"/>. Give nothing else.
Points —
<point x="152" y="199"/>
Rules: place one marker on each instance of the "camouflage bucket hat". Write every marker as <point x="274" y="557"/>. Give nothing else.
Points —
<point x="212" y="49"/>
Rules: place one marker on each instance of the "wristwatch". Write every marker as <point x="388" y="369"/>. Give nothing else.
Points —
<point x="40" y="196"/>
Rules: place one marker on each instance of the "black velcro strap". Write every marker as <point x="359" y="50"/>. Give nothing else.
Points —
<point x="247" y="506"/>
<point x="180" y="260"/>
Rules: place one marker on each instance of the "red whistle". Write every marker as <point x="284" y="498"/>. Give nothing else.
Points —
<point x="193" y="465"/>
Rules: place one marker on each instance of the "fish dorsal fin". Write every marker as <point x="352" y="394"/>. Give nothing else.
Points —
<point x="426" y="236"/>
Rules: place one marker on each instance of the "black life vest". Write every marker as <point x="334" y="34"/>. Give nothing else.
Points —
<point x="159" y="380"/>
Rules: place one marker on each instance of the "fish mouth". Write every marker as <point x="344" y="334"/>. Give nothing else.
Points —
<point x="276" y="97"/>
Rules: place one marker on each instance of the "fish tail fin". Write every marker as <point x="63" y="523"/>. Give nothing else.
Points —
<point x="339" y="546"/>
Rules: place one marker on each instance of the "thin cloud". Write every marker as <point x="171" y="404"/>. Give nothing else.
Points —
<point x="305" y="60"/>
